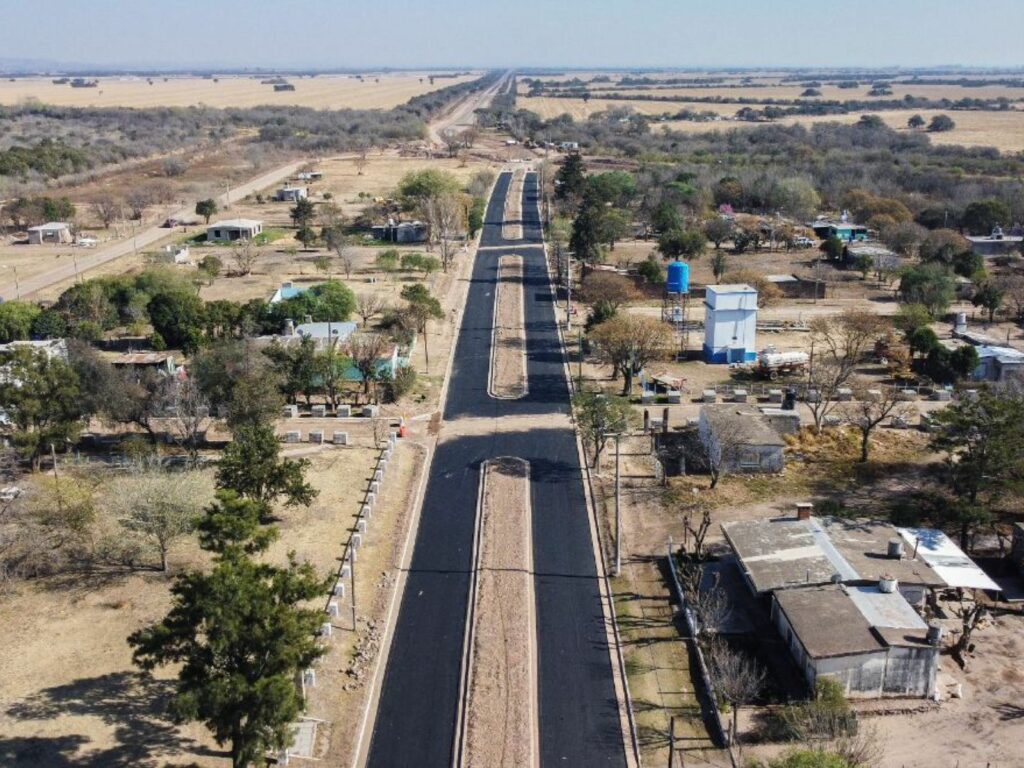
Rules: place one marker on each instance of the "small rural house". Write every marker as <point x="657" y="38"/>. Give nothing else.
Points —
<point x="843" y="230"/>
<point x="291" y="194"/>
<point x="174" y="254"/>
<point x="998" y="363"/>
<point x="57" y="232"/>
<point x="866" y="638"/>
<point x="52" y="348"/>
<point x="139" y="362"/>
<point x="997" y="243"/>
<point x="233" y="229"/>
<point x="730" y="324"/>
<point x="740" y="438"/>
<point x="402" y="232"/>
<point x="310" y="176"/>
<point x="320" y="332"/>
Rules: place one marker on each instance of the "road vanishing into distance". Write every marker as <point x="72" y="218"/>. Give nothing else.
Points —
<point x="418" y="711"/>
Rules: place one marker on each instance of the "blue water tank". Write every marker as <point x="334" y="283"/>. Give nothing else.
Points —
<point x="678" y="277"/>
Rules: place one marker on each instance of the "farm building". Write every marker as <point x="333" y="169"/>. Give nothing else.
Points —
<point x="740" y="439"/>
<point x="843" y="230"/>
<point x="730" y="324"/>
<point x="51" y="232"/>
<point x="866" y="638"/>
<point x="403" y="232"/>
<point x="138" y="362"/>
<point x="998" y="363"/>
<point x="291" y="194"/>
<point x="997" y="243"/>
<point x="286" y="291"/>
<point x="233" y="229"/>
<point x="320" y="332"/>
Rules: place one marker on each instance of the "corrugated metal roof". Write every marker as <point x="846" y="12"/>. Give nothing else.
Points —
<point x="947" y="559"/>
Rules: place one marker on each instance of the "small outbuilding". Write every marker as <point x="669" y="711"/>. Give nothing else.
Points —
<point x="233" y="229"/>
<point x="740" y="438"/>
<point x="291" y="194"/>
<point x="57" y="232"/>
<point x="997" y="243"/>
<point x="401" y="232"/>
<point x="842" y="230"/>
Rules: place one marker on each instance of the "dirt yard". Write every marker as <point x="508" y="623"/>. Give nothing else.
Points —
<point x="69" y="693"/>
<point x="502" y="710"/>
<point x="368" y="91"/>
<point x="508" y="347"/>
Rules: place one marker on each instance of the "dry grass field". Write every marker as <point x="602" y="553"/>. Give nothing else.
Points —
<point x="828" y="92"/>
<point x="549" y="107"/>
<point x="374" y="91"/>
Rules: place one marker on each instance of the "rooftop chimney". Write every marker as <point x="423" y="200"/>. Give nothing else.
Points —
<point x="895" y="550"/>
<point x="804" y="510"/>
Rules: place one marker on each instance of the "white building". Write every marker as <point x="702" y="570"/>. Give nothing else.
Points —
<point x="50" y="232"/>
<point x="291" y="194"/>
<point x="730" y="324"/>
<point x="233" y="229"/>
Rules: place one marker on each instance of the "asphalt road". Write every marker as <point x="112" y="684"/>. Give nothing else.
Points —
<point x="578" y="712"/>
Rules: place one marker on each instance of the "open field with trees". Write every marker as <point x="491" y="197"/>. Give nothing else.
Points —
<point x="381" y="90"/>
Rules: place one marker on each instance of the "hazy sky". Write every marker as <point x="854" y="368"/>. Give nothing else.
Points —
<point x="556" y="33"/>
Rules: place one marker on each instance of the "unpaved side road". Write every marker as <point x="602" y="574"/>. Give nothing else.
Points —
<point x="512" y="226"/>
<point x="501" y="728"/>
<point x="508" y="339"/>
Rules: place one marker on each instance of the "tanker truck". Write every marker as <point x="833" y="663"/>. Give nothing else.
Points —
<point x="771" y="363"/>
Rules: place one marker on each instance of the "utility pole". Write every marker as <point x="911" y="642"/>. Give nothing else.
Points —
<point x="17" y="285"/>
<point x="580" y="333"/>
<point x="568" y="290"/>
<point x="672" y="742"/>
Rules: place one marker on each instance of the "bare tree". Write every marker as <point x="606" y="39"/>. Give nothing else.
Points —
<point x="870" y="408"/>
<point x="737" y="678"/>
<point x="971" y="615"/>
<point x="139" y="199"/>
<point x="108" y="209"/>
<point x="366" y="351"/>
<point x="345" y="249"/>
<point x="721" y="444"/>
<point x="244" y="256"/>
<point x="446" y="214"/>
<point x="369" y="305"/>
<point x="697" y="522"/>
<point x="454" y="143"/>
<point x="189" y="411"/>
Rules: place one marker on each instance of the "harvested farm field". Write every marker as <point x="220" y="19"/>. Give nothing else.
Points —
<point x="367" y="91"/>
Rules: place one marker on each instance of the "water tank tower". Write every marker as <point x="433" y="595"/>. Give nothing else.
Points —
<point x="678" y="280"/>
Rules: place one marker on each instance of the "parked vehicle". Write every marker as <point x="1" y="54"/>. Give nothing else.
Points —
<point x="771" y="364"/>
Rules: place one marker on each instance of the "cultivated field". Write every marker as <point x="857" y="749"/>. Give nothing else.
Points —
<point x="373" y="91"/>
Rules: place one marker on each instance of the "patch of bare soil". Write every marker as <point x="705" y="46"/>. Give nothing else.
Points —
<point x="512" y="227"/>
<point x="502" y="713"/>
<point x="508" y="342"/>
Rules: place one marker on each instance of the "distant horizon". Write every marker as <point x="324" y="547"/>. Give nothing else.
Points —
<point x="230" y="35"/>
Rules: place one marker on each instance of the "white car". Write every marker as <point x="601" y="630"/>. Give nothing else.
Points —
<point x="802" y="242"/>
<point x="87" y="242"/>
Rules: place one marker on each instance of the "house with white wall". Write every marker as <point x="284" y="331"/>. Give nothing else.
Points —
<point x="730" y="324"/>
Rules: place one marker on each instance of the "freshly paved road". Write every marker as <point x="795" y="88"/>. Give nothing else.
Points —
<point x="578" y="712"/>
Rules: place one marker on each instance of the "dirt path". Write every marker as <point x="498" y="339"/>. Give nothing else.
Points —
<point x="512" y="227"/>
<point x="502" y="709"/>
<point x="508" y="342"/>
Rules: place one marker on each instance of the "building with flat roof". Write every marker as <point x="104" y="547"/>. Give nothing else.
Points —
<point x="739" y="438"/>
<point x="51" y="232"/>
<point x="869" y="640"/>
<point x="291" y="194"/>
<point x="997" y="243"/>
<point x="730" y="324"/>
<point x="229" y="230"/>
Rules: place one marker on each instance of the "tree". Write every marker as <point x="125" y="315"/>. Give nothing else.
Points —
<point x="838" y="344"/>
<point x="190" y="413"/>
<point x="930" y="285"/>
<point x="210" y="267"/>
<point x="982" y="216"/>
<point x="606" y="292"/>
<point x="446" y="214"/>
<point x="984" y="455"/>
<point x="416" y="187"/>
<point x="39" y="396"/>
<point x="345" y="250"/>
<point x="251" y="465"/>
<point x="387" y="261"/>
<point x="599" y="416"/>
<point x="614" y="188"/>
<point x="179" y="316"/>
<point x="585" y="241"/>
<point x="477" y="210"/>
<point x="869" y="409"/>
<point x="421" y="308"/>
<point x="107" y="209"/>
<point x="366" y="351"/>
<point x="239" y="636"/>
<point x="832" y="248"/>
<point x="570" y="179"/>
<point x="307" y="236"/>
<point x="302" y="213"/>
<point x="943" y="246"/>
<point x="736" y="677"/>
<point x="989" y="296"/>
<point x="941" y="124"/>
<point x="138" y="200"/>
<point x="161" y="506"/>
<point x="244" y="256"/>
<point x="369" y="305"/>
<point x="237" y="379"/>
<point x="916" y="122"/>
<point x="681" y="243"/>
<point x="331" y="365"/>
<point x="612" y="225"/>
<point x="16" y="320"/>
<point x="904" y="237"/>
<point x="718" y="230"/>
<point x="296" y="366"/>
<point x="1013" y="285"/>
<point x="630" y="342"/>
<point x="719" y="265"/>
<point x="206" y="208"/>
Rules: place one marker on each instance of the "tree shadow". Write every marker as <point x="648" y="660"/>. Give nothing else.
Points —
<point x="132" y="703"/>
<point x="1008" y="711"/>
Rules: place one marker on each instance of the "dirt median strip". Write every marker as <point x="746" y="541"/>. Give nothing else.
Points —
<point x="508" y="379"/>
<point x="501" y="728"/>
<point x="512" y="226"/>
